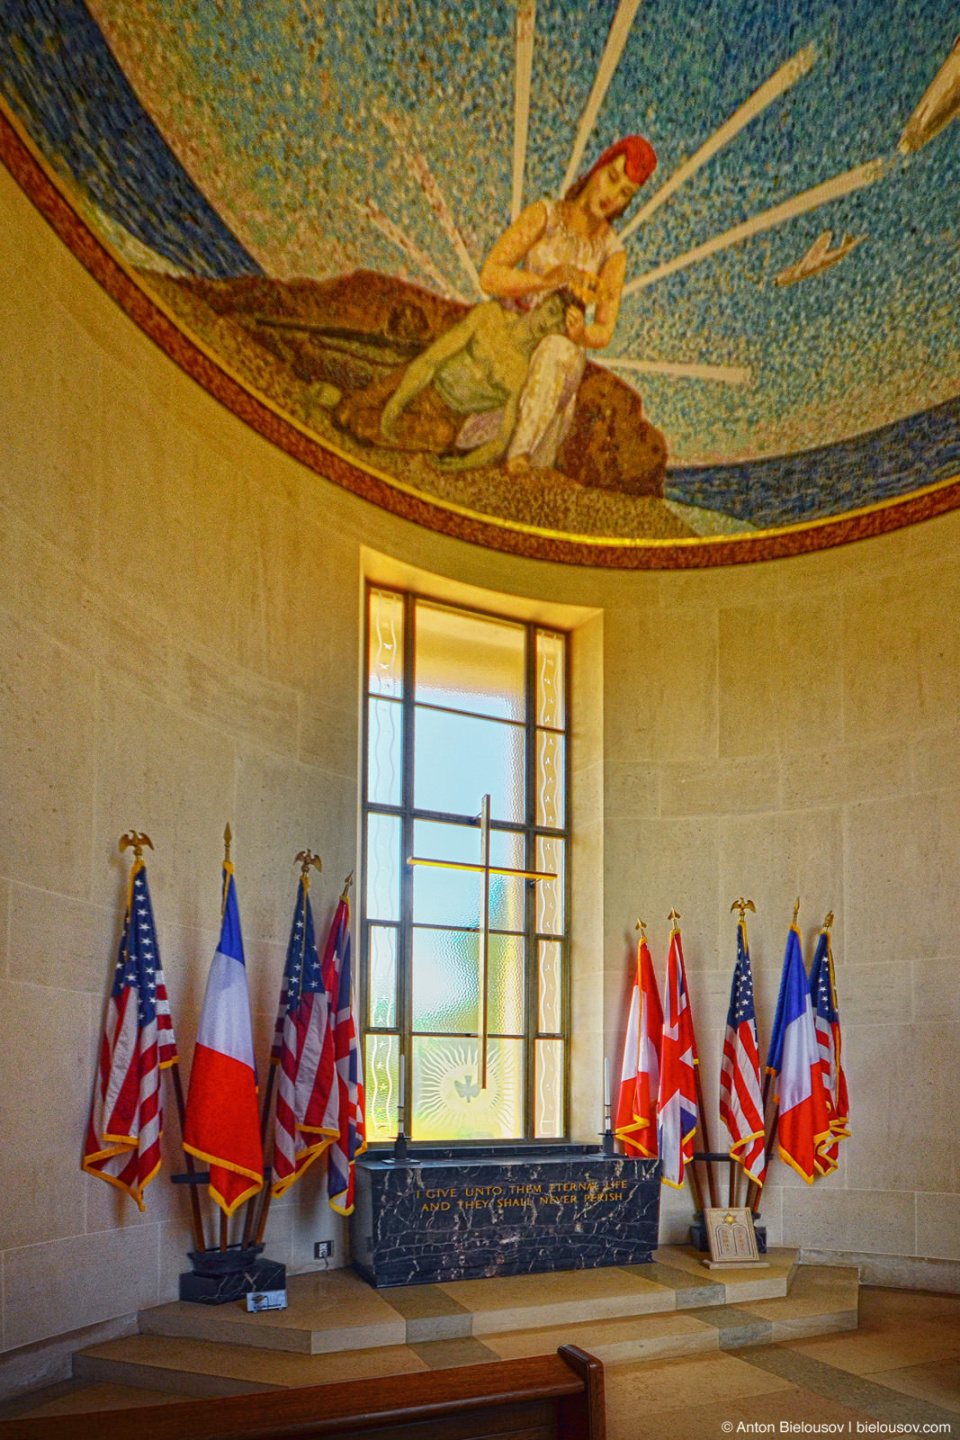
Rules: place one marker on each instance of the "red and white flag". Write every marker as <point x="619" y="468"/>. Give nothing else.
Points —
<point x="741" y="1097"/>
<point x="351" y="1126"/>
<point x="636" y="1118"/>
<point x="126" y="1117"/>
<point x="677" y="1106"/>
<point x="222" y="1124"/>
<point x="306" y="1121"/>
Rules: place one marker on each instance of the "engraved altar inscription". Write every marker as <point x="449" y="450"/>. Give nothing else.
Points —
<point x="502" y="1197"/>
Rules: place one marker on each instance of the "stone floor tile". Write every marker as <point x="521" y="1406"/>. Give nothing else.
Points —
<point x="646" y="1387"/>
<point x="860" y="1392"/>
<point x="430" y="1313"/>
<point x="737" y="1326"/>
<point x="864" y="1351"/>
<point x="704" y="1422"/>
<point x="443" y="1354"/>
<point x="614" y="1342"/>
<point x="938" y="1382"/>
<point x="77" y="1399"/>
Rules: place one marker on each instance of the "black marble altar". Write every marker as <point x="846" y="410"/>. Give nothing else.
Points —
<point x="447" y="1215"/>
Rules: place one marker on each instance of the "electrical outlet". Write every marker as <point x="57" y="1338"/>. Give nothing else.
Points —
<point x="322" y="1249"/>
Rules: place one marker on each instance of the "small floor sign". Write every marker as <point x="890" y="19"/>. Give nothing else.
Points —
<point x="267" y="1300"/>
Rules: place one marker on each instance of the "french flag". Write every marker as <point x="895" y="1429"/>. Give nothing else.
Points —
<point x="794" y="1058"/>
<point x="222" y="1125"/>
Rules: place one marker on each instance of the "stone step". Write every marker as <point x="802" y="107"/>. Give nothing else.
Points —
<point x="822" y="1300"/>
<point x="337" y="1311"/>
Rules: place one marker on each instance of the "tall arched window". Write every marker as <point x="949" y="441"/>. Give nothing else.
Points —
<point x="462" y="705"/>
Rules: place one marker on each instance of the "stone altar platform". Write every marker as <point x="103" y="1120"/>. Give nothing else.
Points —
<point x="446" y="1215"/>
<point x="338" y="1328"/>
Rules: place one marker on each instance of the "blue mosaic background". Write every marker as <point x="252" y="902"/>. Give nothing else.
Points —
<point x="63" y="83"/>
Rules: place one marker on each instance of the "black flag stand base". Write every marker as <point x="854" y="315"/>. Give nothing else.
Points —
<point x="221" y="1277"/>
<point x="698" y="1230"/>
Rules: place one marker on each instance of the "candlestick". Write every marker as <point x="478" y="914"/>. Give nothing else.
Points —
<point x="606" y="1084"/>
<point x="400" y="1144"/>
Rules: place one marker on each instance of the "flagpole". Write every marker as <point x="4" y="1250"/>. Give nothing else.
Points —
<point x="268" y="1195"/>
<point x="306" y="860"/>
<point x="753" y="1191"/>
<point x="674" y="919"/>
<point x="227" y="840"/>
<point x="742" y="906"/>
<point x="133" y="841"/>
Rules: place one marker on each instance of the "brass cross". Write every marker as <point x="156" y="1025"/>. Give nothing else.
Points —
<point x="485" y="869"/>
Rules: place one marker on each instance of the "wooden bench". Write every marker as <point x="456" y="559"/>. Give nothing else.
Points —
<point x="546" y="1397"/>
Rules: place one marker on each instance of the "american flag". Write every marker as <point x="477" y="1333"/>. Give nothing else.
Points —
<point x="352" y="1138"/>
<point x="306" y="1121"/>
<point x="677" y="1107"/>
<point x="741" y="1100"/>
<point x="826" y="1016"/>
<point x="126" y="1117"/>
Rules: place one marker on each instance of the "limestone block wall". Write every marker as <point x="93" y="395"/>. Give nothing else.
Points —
<point x="179" y="647"/>
<point x="794" y="731"/>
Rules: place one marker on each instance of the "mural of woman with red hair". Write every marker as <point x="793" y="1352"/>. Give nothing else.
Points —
<point x="569" y="245"/>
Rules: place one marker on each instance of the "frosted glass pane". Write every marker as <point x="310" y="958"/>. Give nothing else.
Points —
<point x="550" y="856"/>
<point x="383" y="867"/>
<point x="446" y="984"/>
<point x="382" y="971"/>
<point x="548" y="1090"/>
<point x="550" y="778"/>
<point x="469" y="663"/>
<point x="386" y="643"/>
<point x="507" y="902"/>
<point x="446" y="897"/>
<point x="448" y="1103"/>
<point x="458" y="760"/>
<point x="381" y="1077"/>
<point x="550" y="679"/>
<point x="452" y="897"/>
<point x="384" y="754"/>
<point x="505" y="985"/>
<point x="549" y="1009"/>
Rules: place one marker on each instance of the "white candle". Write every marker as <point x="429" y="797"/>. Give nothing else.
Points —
<point x="606" y="1084"/>
<point x="400" y="1096"/>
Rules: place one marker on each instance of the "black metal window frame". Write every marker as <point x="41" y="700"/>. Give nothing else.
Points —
<point x="408" y="815"/>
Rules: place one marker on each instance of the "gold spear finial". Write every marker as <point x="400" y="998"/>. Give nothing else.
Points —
<point x="227" y="842"/>
<point x="674" y="918"/>
<point x="346" y="885"/>
<point x="828" y="921"/>
<point x="135" y="842"/>
<point x="641" y="925"/>
<point x="796" y="910"/>
<point x="743" y="906"/>
<point x="306" y="859"/>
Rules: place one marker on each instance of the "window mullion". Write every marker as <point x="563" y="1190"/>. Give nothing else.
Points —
<point x="531" y="976"/>
<point x="405" y="937"/>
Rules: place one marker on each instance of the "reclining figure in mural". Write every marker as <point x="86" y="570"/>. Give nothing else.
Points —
<point x="502" y="383"/>
<point x="477" y="367"/>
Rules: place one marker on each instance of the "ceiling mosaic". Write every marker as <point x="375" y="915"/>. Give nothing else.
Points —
<point x="368" y="215"/>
